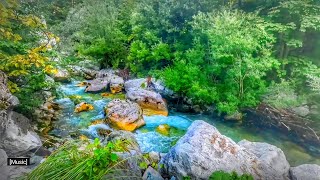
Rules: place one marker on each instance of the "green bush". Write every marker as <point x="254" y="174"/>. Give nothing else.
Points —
<point x="29" y="94"/>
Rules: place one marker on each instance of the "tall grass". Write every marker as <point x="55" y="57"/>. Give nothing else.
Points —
<point x="86" y="161"/>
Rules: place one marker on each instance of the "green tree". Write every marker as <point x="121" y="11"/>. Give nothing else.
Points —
<point x="239" y="56"/>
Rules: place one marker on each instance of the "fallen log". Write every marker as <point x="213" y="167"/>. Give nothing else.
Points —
<point x="286" y="121"/>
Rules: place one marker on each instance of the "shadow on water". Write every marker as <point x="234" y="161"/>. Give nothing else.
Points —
<point x="150" y="140"/>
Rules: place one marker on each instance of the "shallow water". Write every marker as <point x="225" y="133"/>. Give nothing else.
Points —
<point x="150" y="140"/>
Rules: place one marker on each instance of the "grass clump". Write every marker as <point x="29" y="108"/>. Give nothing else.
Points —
<point x="69" y="162"/>
<point x="221" y="175"/>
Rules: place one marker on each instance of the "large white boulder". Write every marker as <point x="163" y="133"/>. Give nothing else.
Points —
<point x="203" y="150"/>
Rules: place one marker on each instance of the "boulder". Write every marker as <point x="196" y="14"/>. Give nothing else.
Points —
<point x="116" y="84"/>
<point x="97" y="85"/>
<point x="151" y="102"/>
<point x="4" y="169"/>
<point x="154" y="156"/>
<point x="61" y="75"/>
<point x="18" y="172"/>
<point x="151" y="174"/>
<point x="124" y="114"/>
<point x="10" y="172"/>
<point x="18" y="138"/>
<point x="16" y="135"/>
<point x="272" y="159"/>
<point x="163" y="129"/>
<point x="203" y="150"/>
<point x="156" y="86"/>
<point x="305" y="172"/>
<point x="83" y="106"/>
<point x="103" y="78"/>
<point x="105" y="73"/>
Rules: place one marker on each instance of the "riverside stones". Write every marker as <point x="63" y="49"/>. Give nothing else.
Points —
<point x="272" y="159"/>
<point x="103" y="79"/>
<point x="151" y="174"/>
<point x="203" y="150"/>
<point x="116" y="84"/>
<point x="61" y="75"/>
<point x="124" y="114"/>
<point x="16" y="135"/>
<point x="305" y="172"/>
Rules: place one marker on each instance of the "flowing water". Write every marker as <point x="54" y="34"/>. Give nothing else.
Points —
<point x="150" y="140"/>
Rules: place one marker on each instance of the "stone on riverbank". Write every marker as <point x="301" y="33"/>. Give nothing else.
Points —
<point x="158" y="86"/>
<point x="116" y="84"/>
<point x="104" y="78"/>
<point x="273" y="161"/>
<point x="61" y="75"/>
<point x="203" y="150"/>
<point x="151" y="174"/>
<point x="16" y="136"/>
<point x="305" y="172"/>
<point x="97" y="85"/>
<point x="124" y="114"/>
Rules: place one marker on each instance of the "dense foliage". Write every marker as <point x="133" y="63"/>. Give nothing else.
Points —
<point x="25" y="43"/>
<point x="233" y="54"/>
<point x="227" y="53"/>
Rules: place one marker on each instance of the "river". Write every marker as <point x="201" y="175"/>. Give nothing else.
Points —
<point x="149" y="140"/>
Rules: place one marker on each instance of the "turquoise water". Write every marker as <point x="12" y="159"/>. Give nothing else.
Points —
<point x="150" y="140"/>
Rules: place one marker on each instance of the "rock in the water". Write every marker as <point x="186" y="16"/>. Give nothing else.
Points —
<point x="83" y="106"/>
<point x="237" y="116"/>
<point x="163" y="129"/>
<point x="150" y="101"/>
<point x="305" y="172"/>
<point x="272" y="159"/>
<point x="124" y="114"/>
<point x="61" y="75"/>
<point x="97" y="85"/>
<point x="203" y="150"/>
<point x="81" y="84"/>
<point x="151" y="174"/>
<point x="103" y="78"/>
<point x="156" y="86"/>
<point x="116" y="84"/>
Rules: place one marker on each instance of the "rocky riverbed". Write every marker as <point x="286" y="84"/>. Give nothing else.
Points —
<point x="188" y="145"/>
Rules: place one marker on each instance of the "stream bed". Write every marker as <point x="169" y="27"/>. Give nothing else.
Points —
<point x="88" y="123"/>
